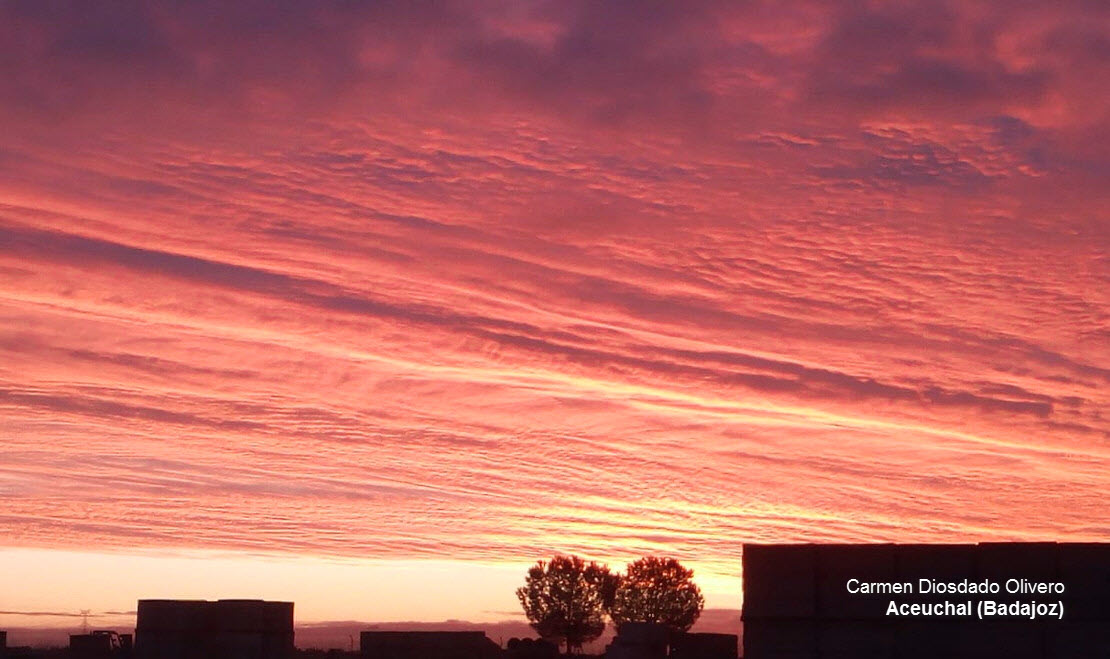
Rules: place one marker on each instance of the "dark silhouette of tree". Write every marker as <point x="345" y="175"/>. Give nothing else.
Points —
<point x="565" y="600"/>
<point x="656" y="589"/>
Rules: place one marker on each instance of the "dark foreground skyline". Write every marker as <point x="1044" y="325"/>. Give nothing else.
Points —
<point x="341" y="635"/>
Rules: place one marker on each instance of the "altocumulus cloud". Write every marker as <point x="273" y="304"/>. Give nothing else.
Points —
<point x="572" y="275"/>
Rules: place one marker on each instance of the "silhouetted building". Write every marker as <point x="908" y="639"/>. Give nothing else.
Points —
<point x="427" y="645"/>
<point x="797" y="603"/>
<point x="100" y="644"/>
<point x="688" y="645"/>
<point x="224" y="629"/>
<point x="639" y="640"/>
<point x="642" y="640"/>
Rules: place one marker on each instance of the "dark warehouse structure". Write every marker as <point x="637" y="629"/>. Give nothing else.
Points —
<point x="100" y="644"/>
<point x="428" y="645"/>
<point x="224" y="629"/>
<point x="797" y="603"/>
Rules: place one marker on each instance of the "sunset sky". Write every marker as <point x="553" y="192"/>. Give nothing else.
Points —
<point x="371" y="305"/>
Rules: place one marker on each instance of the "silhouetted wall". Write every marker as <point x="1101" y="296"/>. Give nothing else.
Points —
<point x="224" y="629"/>
<point x="101" y="644"/>
<point x="89" y="646"/>
<point x="646" y="640"/>
<point x="427" y="645"/>
<point x="639" y="640"/>
<point x="796" y="605"/>
<point x="700" y="645"/>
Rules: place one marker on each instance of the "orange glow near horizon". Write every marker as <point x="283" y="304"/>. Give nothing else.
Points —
<point x="323" y="589"/>
<point x="351" y="288"/>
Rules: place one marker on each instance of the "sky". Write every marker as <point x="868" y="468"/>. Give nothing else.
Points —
<point x="372" y="305"/>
